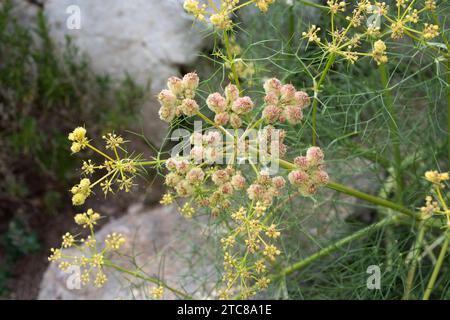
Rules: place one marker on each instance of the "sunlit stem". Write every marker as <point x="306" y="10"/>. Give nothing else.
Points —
<point x="394" y="132"/>
<point x="315" y="104"/>
<point x="100" y="152"/>
<point x="230" y="58"/>
<point x="436" y="270"/>
<point x="415" y="254"/>
<point x="156" y="281"/>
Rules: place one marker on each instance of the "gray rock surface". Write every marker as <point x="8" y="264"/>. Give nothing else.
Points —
<point x="150" y="40"/>
<point x="162" y="243"/>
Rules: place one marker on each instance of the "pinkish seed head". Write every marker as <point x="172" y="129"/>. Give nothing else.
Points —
<point x="216" y="102"/>
<point x="242" y="105"/>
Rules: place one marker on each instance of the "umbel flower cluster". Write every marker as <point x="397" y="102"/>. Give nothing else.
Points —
<point x="92" y="256"/>
<point x="220" y="15"/>
<point x="435" y="203"/>
<point x="202" y="181"/>
<point x="371" y="21"/>
<point x="116" y="170"/>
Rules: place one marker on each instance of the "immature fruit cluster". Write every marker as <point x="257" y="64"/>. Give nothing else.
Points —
<point x="178" y="99"/>
<point x="284" y="102"/>
<point x="311" y="173"/>
<point x="265" y="188"/>
<point x="206" y="147"/>
<point x="231" y="108"/>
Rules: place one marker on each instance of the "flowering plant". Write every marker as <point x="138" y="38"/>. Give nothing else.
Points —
<point x="241" y="167"/>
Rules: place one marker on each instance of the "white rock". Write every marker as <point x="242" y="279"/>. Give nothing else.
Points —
<point x="146" y="39"/>
<point x="155" y="239"/>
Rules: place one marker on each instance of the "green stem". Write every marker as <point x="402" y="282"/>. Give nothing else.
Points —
<point x="415" y="253"/>
<point x="231" y="60"/>
<point x="156" y="281"/>
<point x="358" y="194"/>
<point x="373" y="199"/>
<point x="317" y="87"/>
<point x="313" y="4"/>
<point x="335" y="246"/>
<point x="330" y="249"/>
<point x="448" y="109"/>
<point x="291" y="32"/>
<point x="436" y="269"/>
<point x="394" y="132"/>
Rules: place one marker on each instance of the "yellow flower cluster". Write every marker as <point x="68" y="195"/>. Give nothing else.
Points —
<point x="430" y="31"/>
<point x="379" y="52"/>
<point x="79" y="139"/>
<point x="365" y="23"/>
<point x="81" y="191"/>
<point x="118" y="170"/>
<point x="90" y="259"/>
<point x="435" y="204"/>
<point x="246" y="266"/>
<point x="436" y="177"/>
<point x="157" y="292"/>
<point x="220" y="15"/>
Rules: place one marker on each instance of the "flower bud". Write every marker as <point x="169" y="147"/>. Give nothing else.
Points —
<point x="293" y="114"/>
<point x="221" y="119"/>
<point x="255" y="191"/>
<point x="78" y="199"/>
<point x="195" y="175"/>
<point x="242" y="105"/>
<point x="197" y="153"/>
<point x="189" y="107"/>
<point x="183" y="166"/>
<point x="279" y="182"/>
<point x="302" y="162"/>
<point x="171" y="164"/>
<point x="172" y="179"/>
<point x="272" y="85"/>
<point x="212" y="154"/>
<point x="231" y="92"/>
<point x="227" y="189"/>
<point x="167" y="99"/>
<point x="271" y="98"/>
<point x="298" y="178"/>
<point x="238" y="181"/>
<point x="302" y="99"/>
<point x="184" y="188"/>
<point x="175" y="85"/>
<point x="190" y="81"/>
<point x="235" y="121"/>
<point x="315" y="155"/>
<point x="220" y="177"/>
<point x="321" y="177"/>
<point x="308" y="190"/>
<point x="213" y="138"/>
<point x="271" y="113"/>
<point x="196" y="139"/>
<point x="288" y="93"/>
<point x="166" y="114"/>
<point x="76" y="147"/>
<point x="216" y="103"/>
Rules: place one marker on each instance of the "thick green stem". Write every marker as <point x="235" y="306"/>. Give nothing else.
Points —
<point x="315" y="105"/>
<point x="415" y="253"/>
<point x="448" y="109"/>
<point x="358" y="194"/>
<point x="336" y="246"/>
<point x="373" y="199"/>
<point x="394" y="132"/>
<point x="156" y="281"/>
<point x="436" y="269"/>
